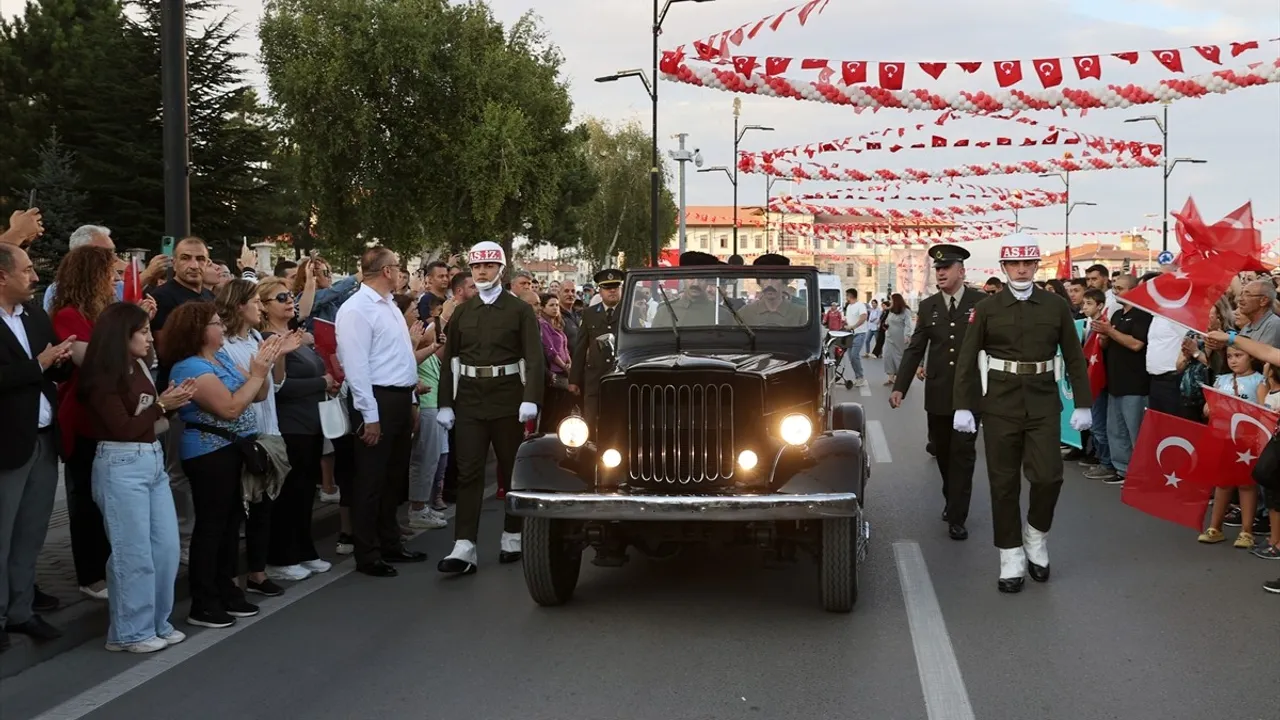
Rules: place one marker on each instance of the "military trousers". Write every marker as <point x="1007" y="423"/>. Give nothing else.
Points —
<point x="474" y="438"/>
<point x="956" y="454"/>
<point x="1014" y="445"/>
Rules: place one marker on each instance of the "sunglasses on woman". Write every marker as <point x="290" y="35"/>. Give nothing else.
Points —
<point x="283" y="298"/>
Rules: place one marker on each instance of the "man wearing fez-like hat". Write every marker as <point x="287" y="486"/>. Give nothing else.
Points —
<point x="942" y="321"/>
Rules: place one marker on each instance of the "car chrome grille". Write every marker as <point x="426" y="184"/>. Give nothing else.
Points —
<point x="681" y="434"/>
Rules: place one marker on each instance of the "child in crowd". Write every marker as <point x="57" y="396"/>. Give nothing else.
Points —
<point x="1244" y="382"/>
<point x="1094" y="307"/>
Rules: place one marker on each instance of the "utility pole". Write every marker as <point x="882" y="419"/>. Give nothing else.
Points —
<point x="173" y="84"/>
<point x="683" y="156"/>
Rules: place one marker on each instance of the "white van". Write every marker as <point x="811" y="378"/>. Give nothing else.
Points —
<point x="829" y="290"/>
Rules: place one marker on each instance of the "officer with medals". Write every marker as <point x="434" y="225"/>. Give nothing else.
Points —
<point x="942" y="320"/>
<point x="491" y="384"/>
<point x="590" y="360"/>
<point x="1007" y="373"/>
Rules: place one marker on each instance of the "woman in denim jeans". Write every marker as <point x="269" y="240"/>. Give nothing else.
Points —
<point x="130" y="485"/>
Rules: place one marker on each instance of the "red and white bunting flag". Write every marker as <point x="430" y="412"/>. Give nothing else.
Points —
<point x="891" y="75"/>
<point x="1008" y="72"/>
<point x="1171" y="59"/>
<point x="933" y="70"/>
<point x="1166" y="458"/>
<point x="1050" y="72"/>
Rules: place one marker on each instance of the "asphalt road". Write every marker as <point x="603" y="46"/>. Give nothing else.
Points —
<point x="1139" y="621"/>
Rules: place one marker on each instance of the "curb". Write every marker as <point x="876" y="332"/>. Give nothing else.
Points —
<point x="87" y="620"/>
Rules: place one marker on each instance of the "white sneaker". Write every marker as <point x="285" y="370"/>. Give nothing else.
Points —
<point x="426" y="519"/>
<point x="317" y="566"/>
<point x="344" y="545"/>
<point x="94" y="594"/>
<point x="174" y="637"/>
<point x="860" y="382"/>
<point x="333" y="497"/>
<point x="510" y="542"/>
<point x="291" y="573"/>
<point x="149" y="645"/>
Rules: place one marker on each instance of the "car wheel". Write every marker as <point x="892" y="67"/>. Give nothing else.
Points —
<point x="551" y="561"/>
<point x="838" y="568"/>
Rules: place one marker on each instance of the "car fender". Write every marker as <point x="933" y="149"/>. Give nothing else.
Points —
<point x="544" y="464"/>
<point x="833" y="462"/>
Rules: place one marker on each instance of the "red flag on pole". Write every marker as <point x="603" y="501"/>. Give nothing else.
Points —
<point x="1164" y="460"/>
<point x="1097" y="366"/>
<point x="1238" y="431"/>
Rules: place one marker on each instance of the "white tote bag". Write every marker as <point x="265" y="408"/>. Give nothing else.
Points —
<point x="334" y="421"/>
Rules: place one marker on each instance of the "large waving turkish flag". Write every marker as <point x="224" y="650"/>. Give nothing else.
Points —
<point x="1186" y="296"/>
<point x="1165" y="459"/>
<point x="1238" y="431"/>
<point x="1233" y="234"/>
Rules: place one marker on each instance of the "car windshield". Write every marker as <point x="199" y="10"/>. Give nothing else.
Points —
<point x="761" y="303"/>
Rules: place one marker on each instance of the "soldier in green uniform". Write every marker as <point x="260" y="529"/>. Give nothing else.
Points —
<point x="589" y="363"/>
<point x="941" y="323"/>
<point x="696" y="305"/>
<point x="1007" y="373"/>
<point x="491" y="383"/>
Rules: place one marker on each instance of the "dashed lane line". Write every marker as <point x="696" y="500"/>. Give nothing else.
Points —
<point x="945" y="695"/>
<point x="878" y="444"/>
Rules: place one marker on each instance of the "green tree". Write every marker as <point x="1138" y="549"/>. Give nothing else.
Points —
<point x="61" y="202"/>
<point x="421" y="123"/>
<point x="618" y="218"/>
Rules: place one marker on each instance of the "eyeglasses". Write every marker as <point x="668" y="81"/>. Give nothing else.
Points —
<point x="283" y="298"/>
<point x="217" y="323"/>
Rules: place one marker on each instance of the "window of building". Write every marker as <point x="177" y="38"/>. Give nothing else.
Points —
<point x="850" y="270"/>
<point x="759" y="241"/>
<point x="789" y="243"/>
<point x="724" y="242"/>
<point x="866" y="271"/>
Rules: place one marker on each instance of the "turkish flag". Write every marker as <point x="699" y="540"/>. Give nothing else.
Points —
<point x="133" y="281"/>
<point x="853" y="72"/>
<point x="1008" y="72"/>
<point x="1238" y="49"/>
<point x="970" y="67"/>
<point x="670" y="64"/>
<point x="1164" y="459"/>
<point x="745" y="64"/>
<point x="934" y="70"/>
<point x="1050" y="72"/>
<point x="1234" y="234"/>
<point x="891" y="75"/>
<point x="1088" y="66"/>
<point x="1093" y="356"/>
<point x="1171" y="59"/>
<point x="1186" y="296"/>
<point x="1238" y="431"/>
<point x="1129" y="57"/>
<point x="776" y="65"/>
<point x="1212" y="53"/>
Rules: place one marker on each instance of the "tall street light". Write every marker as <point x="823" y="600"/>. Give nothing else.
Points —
<point x="683" y="156"/>
<point x="769" y="180"/>
<point x="733" y="179"/>
<point x="737" y="138"/>
<point x="173" y="90"/>
<point x="659" y="15"/>
<point x="1163" y="124"/>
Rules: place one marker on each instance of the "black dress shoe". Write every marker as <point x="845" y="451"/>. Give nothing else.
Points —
<point x="404" y="556"/>
<point x="1039" y="573"/>
<point x="378" y="569"/>
<point x="957" y="532"/>
<point x="44" y="602"/>
<point x="928" y="447"/>
<point x="1010" y="585"/>
<point x="455" y="566"/>
<point x="35" y="628"/>
<point x="509" y="557"/>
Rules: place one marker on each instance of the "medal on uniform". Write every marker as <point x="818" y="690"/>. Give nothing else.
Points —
<point x="972" y="313"/>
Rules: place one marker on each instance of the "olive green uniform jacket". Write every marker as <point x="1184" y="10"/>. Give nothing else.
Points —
<point x="939" y="332"/>
<point x="501" y="333"/>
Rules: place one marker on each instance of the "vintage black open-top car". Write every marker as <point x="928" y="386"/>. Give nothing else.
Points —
<point x="717" y="425"/>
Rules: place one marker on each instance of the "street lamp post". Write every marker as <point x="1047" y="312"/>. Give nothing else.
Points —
<point x="734" y="180"/>
<point x="1163" y="124"/>
<point x="683" y="156"/>
<point x="769" y="180"/>
<point x="737" y="138"/>
<point x="655" y="174"/>
<point x="173" y="90"/>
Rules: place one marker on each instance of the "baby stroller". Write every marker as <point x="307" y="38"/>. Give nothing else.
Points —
<point x="835" y="352"/>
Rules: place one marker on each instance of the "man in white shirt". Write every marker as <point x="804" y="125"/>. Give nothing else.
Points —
<point x="377" y="357"/>
<point x="855" y="321"/>
<point x="1164" y="347"/>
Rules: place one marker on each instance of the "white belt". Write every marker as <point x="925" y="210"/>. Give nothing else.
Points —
<point x="489" y="371"/>
<point x="1021" y="368"/>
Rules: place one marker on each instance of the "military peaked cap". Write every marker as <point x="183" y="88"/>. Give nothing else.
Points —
<point x="945" y="255"/>
<point x="608" y="278"/>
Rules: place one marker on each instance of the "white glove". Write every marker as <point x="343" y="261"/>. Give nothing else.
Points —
<point x="1081" y="419"/>
<point x="444" y="416"/>
<point x="963" y="422"/>
<point x="528" y="411"/>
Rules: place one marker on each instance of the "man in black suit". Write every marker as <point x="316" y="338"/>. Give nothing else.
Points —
<point x="940" y="326"/>
<point x="30" y="362"/>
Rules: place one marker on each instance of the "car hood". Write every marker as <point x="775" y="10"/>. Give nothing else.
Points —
<point x="759" y="363"/>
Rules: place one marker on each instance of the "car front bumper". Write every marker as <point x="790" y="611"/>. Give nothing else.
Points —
<point x="592" y="506"/>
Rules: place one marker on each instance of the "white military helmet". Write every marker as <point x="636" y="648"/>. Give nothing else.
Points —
<point x="1019" y="246"/>
<point x="487" y="252"/>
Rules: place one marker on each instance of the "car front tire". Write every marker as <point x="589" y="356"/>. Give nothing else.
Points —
<point x="551" y="561"/>
<point x="838" y="564"/>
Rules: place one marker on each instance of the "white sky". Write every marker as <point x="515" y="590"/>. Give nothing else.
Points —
<point x="1238" y="134"/>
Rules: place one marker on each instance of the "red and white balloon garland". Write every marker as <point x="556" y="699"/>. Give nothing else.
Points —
<point x="673" y="68"/>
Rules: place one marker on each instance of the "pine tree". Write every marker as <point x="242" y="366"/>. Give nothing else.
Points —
<point x="61" y="202"/>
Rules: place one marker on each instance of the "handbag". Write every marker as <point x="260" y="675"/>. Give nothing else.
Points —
<point x="560" y="382"/>
<point x="256" y="459"/>
<point x="334" y="420"/>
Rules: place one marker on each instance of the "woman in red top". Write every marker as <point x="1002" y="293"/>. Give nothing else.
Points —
<point x="85" y="286"/>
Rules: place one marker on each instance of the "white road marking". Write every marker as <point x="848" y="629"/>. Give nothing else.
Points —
<point x="945" y="695"/>
<point x="159" y="663"/>
<point x="864" y="390"/>
<point x="879" y="445"/>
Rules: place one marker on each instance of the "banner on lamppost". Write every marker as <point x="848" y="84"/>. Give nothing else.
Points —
<point x="1070" y="436"/>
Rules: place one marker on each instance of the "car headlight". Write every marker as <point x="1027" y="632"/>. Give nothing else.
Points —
<point x="611" y="458"/>
<point x="796" y="429"/>
<point x="747" y="460"/>
<point x="573" y="431"/>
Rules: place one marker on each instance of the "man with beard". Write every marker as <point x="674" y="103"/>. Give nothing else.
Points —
<point x="1006" y="371"/>
<point x="942" y="321"/>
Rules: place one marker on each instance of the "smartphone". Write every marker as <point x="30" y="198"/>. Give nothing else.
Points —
<point x="167" y="244"/>
<point x="31" y="199"/>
